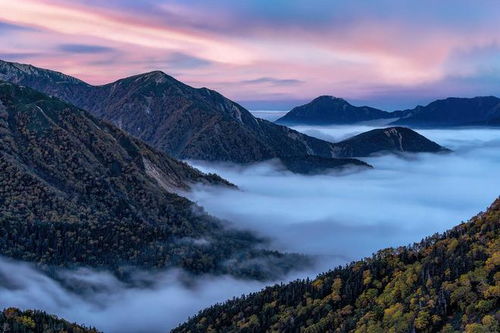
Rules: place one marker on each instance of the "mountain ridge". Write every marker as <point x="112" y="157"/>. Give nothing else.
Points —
<point x="187" y="122"/>
<point x="77" y="191"/>
<point x="395" y="140"/>
<point x="447" y="112"/>
<point x="326" y="109"/>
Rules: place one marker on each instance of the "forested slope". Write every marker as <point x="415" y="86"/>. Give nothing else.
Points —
<point x="445" y="283"/>
<point x="77" y="191"/>
<point x="13" y="320"/>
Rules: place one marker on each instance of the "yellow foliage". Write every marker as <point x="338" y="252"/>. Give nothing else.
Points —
<point x="318" y="283"/>
<point x="26" y="321"/>
<point x="367" y="277"/>
<point x="452" y="245"/>
<point x="493" y="262"/>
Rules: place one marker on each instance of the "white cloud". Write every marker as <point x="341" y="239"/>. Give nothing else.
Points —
<point x="337" y="217"/>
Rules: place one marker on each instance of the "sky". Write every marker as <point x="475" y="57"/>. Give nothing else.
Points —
<point x="269" y="54"/>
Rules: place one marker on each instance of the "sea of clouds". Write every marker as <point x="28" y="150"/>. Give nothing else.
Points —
<point x="336" y="217"/>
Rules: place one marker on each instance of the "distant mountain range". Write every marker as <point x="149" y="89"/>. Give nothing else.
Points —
<point x="453" y="111"/>
<point x="445" y="283"/>
<point x="187" y="123"/>
<point x="77" y="191"/>
<point x="328" y="110"/>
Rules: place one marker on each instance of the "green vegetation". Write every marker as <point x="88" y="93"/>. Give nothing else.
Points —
<point x="78" y="191"/>
<point x="446" y="283"/>
<point x="13" y="320"/>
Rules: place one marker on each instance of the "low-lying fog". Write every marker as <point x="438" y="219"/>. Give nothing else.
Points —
<point x="337" y="217"/>
<point x="348" y="216"/>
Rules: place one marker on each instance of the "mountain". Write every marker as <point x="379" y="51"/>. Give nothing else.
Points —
<point x="188" y="123"/>
<point x="13" y="320"/>
<point x="77" y="191"/>
<point x="329" y="110"/>
<point x="453" y="111"/>
<point x="310" y="165"/>
<point x="445" y="283"/>
<point x="387" y="140"/>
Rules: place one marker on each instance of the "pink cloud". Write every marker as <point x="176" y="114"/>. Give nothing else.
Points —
<point x="348" y="58"/>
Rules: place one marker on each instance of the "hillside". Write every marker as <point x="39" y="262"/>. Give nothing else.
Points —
<point x="329" y="110"/>
<point x="77" y="191"/>
<point x="188" y="123"/>
<point x="445" y="283"/>
<point x="386" y="140"/>
<point x="13" y="320"/>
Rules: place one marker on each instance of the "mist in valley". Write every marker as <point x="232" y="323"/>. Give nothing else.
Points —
<point x="335" y="217"/>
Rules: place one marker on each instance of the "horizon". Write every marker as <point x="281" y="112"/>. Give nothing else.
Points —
<point x="287" y="105"/>
<point x="387" y="55"/>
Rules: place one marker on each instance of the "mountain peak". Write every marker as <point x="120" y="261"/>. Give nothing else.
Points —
<point x="327" y="110"/>
<point x="329" y="98"/>
<point x="387" y="140"/>
<point x="156" y="76"/>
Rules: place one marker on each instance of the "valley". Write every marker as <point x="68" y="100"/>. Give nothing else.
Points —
<point x="303" y="166"/>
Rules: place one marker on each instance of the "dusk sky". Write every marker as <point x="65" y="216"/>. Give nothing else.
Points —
<point x="269" y="53"/>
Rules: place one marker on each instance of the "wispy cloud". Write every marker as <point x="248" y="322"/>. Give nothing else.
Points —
<point x="181" y="60"/>
<point x="340" y="48"/>
<point x="83" y="48"/>
<point x="19" y="56"/>
<point x="6" y="27"/>
<point x="273" y="81"/>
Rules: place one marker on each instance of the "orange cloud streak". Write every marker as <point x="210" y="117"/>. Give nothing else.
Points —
<point x="86" y="22"/>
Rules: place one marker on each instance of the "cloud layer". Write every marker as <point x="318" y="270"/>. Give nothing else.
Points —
<point x="387" y="53"/>
<point x="352" y="215"/>
<point x="337" y="218"/>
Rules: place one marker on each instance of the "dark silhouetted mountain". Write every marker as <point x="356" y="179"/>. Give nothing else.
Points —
<point x="329" y="110"/>
<point x="13" y="320"/>
<point x="387" y="140"/>
<point x="494" y="122"/>
<point x="453" y="112"/>
<point x="310" y="165"/>
<point x="188" y="123"/>
<point x="75" y="190"/>
<point x="445" y="283"/>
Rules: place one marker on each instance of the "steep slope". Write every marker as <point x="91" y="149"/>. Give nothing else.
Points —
<point x="13" y="320"/>
<point x="185" y="122"/>
<point x="329" y="110"/>
<point x="75" y="190"/>
<point x="387" y="140"/>
<point x="453" y="112"/>
<point x="446" y="283"/>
